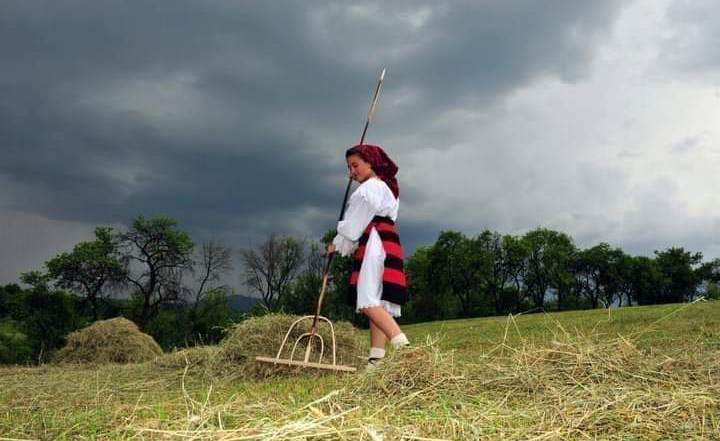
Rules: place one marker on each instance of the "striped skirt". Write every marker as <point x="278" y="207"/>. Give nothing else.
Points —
<point x="394" y="285"/>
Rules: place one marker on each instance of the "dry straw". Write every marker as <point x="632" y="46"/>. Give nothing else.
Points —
<point x="262" y="336"/>
<point x="607" y="386"/>
<point x="196" y="357"/>
<point x="573" y="386"/>
<point x="410" y="372"/>
<point x="117" y="340"/>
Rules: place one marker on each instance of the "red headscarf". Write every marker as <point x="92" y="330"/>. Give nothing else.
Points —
<point x="380" y="162"/>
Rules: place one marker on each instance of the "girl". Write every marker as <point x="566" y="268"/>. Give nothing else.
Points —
<point x="368" y="231"/>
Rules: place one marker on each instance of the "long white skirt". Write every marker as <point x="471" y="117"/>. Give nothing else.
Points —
<point x="369" y="285"/>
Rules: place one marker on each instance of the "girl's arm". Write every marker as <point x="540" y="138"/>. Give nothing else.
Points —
<point x="361" y="211"/>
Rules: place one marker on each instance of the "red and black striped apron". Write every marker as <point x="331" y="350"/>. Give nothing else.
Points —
<point x="393" y="280"/>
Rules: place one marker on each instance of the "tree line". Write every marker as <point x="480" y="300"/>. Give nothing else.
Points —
<point x="494" y="274"/>
<point x="154" y="274"/>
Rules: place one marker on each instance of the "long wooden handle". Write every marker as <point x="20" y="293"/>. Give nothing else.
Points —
<point x="373" y="104"/>
<point x="326" y="273"/>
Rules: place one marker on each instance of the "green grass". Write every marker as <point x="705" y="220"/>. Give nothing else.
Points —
<point x="653" y="326"/>
<point x="629" y="373"/>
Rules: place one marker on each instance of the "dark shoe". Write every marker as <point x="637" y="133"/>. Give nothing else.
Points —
<point x="373" y="364"/>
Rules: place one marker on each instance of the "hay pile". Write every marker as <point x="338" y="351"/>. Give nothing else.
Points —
<point x="262" y="336"/>
<point x="117" y="340"/>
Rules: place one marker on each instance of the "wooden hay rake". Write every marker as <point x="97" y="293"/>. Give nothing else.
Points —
<point x="317" y="317"/>
<point x="310" y="336"/>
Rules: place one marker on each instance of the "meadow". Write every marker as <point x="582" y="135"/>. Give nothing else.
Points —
<point x="636" y="373"/>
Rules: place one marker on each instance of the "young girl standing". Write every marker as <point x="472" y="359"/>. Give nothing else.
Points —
<point x="368" y="232"/>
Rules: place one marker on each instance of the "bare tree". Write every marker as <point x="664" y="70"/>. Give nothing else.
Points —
<point x="157" y="256"/>
<point x="271" y="267"/>
<point x="214" y="260"/>
<point x="303" y="297"/>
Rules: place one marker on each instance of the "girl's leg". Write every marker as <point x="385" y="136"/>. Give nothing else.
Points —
<point x="377" y="345"/>
<point x="384" y="321"/>
<point x="377" y="336"/>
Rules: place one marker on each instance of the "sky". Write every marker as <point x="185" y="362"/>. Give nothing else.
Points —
<point x="595" y="118"/>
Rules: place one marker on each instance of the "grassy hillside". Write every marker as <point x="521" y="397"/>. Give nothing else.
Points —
<point x="630" y="373"/>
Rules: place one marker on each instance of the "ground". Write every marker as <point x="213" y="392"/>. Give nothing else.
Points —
<point x="628" y="373"/>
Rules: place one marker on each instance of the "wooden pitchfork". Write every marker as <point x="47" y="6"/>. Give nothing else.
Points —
<point x="310" y="336"/>
<point x="314" y="334"/>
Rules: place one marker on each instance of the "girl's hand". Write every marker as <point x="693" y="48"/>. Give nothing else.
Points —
<point x="330" y="250"/>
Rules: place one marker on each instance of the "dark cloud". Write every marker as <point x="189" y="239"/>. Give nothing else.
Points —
<point x="232" y="116"/>
<point x="692" y="46"/>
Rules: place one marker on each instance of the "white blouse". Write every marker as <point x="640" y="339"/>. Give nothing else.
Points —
<point x="372" y="198"/>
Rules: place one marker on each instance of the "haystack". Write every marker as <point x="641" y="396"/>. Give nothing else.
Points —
<point x="262" y="336"/>
<point x="117" y="340"/>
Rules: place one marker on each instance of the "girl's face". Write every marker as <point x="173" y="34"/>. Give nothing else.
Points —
<point x="360" y="170"/>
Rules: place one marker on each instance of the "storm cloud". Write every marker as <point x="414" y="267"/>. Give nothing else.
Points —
<point x="232" y="117"/>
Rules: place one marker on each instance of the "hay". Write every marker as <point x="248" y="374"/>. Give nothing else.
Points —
<point x="262" y="336"/>
<point x="117" y="340"/>
<point x="600" y="386"/>
<point x="199" y="356"/>
<point x="418" y="370"/>
<point x="588" y="362"/>
<point x="582" y="388"/>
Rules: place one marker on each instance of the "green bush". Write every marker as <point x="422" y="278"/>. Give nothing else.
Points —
<point x="713" y="292"/>
<point x="15" y="348"/>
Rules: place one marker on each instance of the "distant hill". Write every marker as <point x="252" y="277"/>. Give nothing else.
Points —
<point x="241" y="303"/>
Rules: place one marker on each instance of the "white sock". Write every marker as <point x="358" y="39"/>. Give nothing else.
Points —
<point x="399" y="341"/>
<point x="376" y="353"/>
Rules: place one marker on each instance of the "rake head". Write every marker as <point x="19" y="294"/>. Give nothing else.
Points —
<point x="308" y="339"/>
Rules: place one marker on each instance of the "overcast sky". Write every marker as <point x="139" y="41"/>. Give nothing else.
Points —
<point x="595" y="118"/>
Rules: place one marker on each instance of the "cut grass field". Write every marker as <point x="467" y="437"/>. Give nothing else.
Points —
<point x="630" y="373"/>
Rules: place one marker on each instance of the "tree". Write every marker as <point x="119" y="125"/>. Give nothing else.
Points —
<point x="453" y="269"/>
<point x="712" y="269"/>
<point x="621" y="268"/>
<point x="496" y="267"/>
<point x="15" y="346"/>
<point x="271" y="268"/>
<point x="302" y="298"/>
<point x="157" y="256"/>
<point x="549" y="254"/>
<point x="48" y="316"/>
<point x="425" y="302"/>
<point x="595" y="273"/>
<point x="11" y="301"/>
<point x="712" y="291"/>
<point x="679" y="270"/>
<point x="709" y="275"/>
<point x="90" y="268"/>
<point x="211" y="318"/>
<point x="516" y="258"/>
<point x="604" y="273"/>
<point x="612" y="277"/>
<point x="709" y="272"/>
<point x="209" y="306"/>
<point x="215" y="259"/>
<point x="646" y="280"/>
